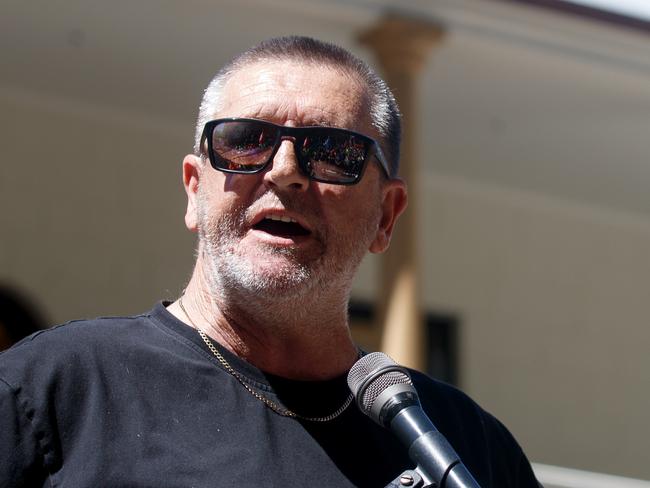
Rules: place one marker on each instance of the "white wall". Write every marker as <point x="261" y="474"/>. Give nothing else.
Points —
<point x="92" y="206"/>
<point x="553" y="300"/>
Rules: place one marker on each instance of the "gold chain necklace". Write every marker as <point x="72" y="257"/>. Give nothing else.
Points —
<point x="285" y="412"/>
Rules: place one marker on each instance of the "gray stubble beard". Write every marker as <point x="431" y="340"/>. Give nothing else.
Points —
<point x="231" y="276"/>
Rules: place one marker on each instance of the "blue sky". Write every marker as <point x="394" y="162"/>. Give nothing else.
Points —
<point x="632" y="8"/>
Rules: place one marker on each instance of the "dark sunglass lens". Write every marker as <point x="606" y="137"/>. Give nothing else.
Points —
<point x="242" y="145"/>
<point x="334" y="156"/>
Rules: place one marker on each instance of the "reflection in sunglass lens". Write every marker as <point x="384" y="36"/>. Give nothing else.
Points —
<point x="243" y="145"/>
<point x="334" y="156"/>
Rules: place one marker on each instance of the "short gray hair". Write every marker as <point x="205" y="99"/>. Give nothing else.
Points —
<point x="384" y="112"/>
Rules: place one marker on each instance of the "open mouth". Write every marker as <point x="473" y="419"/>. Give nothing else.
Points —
<point x="281" y="227"/>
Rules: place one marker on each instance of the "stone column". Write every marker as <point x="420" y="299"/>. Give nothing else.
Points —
<point x="402" y="47"/>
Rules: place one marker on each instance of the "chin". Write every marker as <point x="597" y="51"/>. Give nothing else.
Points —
<point x="270" y="279"/>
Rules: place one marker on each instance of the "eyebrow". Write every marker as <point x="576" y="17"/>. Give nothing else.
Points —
<point x="270" y="117"/>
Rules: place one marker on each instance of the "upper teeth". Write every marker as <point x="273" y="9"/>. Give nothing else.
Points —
<point x="281" y="218"/>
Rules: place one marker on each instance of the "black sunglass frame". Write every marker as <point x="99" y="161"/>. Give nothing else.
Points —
<point x="297" y="135"/>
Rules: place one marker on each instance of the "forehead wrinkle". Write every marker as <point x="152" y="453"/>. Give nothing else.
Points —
<point x="267" y="90"/>
<point x="269" y="105"/>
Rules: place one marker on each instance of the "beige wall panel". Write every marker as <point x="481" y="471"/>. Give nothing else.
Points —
<point x="92" y="207"/>
<point x="553" y="301"/>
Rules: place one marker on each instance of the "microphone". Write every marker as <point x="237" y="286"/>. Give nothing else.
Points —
<point x="383" y="390"/>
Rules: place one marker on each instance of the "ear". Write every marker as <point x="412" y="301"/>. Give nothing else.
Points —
<point x="191" y="175"/>
<point x="394" y="202"/>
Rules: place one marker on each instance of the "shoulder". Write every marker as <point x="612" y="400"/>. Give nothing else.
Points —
<point x="442" y="399"/>
<point x="78" y="332"/>
<point x="71" y="347"/>
<point x="456" y="411"/>
<point x="484" y="444"/>
<point x="55" y="378"/>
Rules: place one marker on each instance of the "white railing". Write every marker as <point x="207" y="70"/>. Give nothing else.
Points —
<point x="556" y="477"/>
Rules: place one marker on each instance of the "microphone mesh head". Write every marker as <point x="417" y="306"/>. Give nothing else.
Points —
<point x="371" y="375"/>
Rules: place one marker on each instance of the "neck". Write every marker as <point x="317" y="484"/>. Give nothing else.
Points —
<point x="298" y="339"/>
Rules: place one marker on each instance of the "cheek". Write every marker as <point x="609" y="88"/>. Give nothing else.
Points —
<point x="337" y="204"/>
<point x="212" y="205"/>
<point x="352" y="213"/>
<point x="222" y="193"/>
<point x="236" y="183"/>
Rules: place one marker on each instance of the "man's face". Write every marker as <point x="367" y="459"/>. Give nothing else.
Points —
<point x="276" y="233"/>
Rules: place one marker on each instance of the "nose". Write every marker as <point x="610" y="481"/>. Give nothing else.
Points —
<point x="284" y="171"/>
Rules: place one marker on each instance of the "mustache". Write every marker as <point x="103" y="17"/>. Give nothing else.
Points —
<point x="289" y="202"/>
<point x="239" y="219"/>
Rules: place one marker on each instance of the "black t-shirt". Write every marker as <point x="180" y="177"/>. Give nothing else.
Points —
<point x="142" y="402"/>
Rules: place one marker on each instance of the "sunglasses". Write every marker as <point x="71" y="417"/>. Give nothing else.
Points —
<point x="326" y="154"/>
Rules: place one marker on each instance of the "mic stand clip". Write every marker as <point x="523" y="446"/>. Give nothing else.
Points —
<point x="411" y="478"/>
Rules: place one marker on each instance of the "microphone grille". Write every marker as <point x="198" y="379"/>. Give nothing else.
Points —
<point x="371" y="375"/>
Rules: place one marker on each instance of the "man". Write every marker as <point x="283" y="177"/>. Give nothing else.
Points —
<point x="241" y="381"/>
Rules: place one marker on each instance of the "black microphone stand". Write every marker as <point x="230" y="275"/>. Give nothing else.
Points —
<point x="413" y="478"/>
<point x="438" y="465"/>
